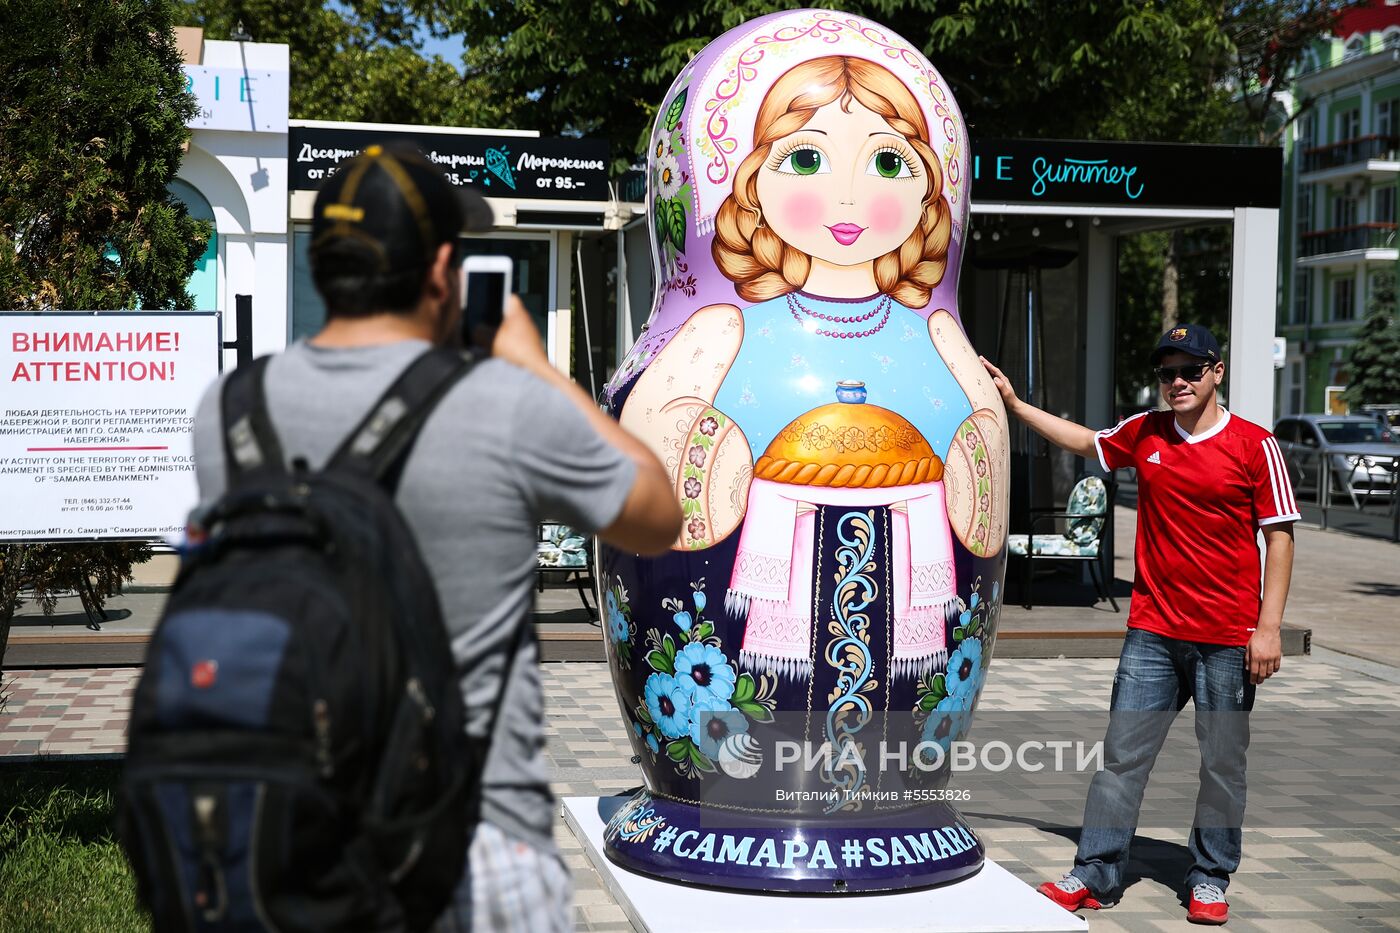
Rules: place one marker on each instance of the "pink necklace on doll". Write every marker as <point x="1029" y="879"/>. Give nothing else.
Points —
<point x="805" y="315"/>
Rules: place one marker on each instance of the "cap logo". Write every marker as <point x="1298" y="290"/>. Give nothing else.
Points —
<point x="1177" y="333"/>
<point x="344" y="212"/>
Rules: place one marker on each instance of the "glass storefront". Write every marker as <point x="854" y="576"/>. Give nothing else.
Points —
<point x="530" y="257"/>
<point x="308" y="312"/>
<point x="530" y="273"/>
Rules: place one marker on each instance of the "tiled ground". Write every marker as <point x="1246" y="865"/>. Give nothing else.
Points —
<point x="66" y="712"/>
<point x="1292" y="879"/>
<point x="1336" y="870"/>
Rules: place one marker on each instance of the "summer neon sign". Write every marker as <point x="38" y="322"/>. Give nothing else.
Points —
<point x="1067" y="171"/>
<point x="1128" y="173"/>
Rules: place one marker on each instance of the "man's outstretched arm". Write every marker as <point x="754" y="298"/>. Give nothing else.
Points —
<point x="1075" y="438"/>
<point x="650" y="519"/>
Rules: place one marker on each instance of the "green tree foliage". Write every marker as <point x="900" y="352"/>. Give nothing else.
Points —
<point x="1139" y="314"/>
<point x="1268" y="39"/>
<point x="1106" y="69"/>
<point x="350" y="61"/>
<point x="1112" y="69"/>
<point x="1095" y="69"/>
<point x="92" y="128"/>
<point x="92" y="125"/>
<point x="1202" y="257"/>
<point x="1375" y="357"/>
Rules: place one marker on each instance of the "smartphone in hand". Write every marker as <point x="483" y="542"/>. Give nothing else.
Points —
<point x="485" y="287"/>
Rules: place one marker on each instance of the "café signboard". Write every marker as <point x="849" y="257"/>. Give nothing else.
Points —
<point x="497" y="165"/>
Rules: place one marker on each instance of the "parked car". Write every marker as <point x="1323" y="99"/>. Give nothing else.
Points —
<point x="1388" y="417"/>
<point x="1361" y="462"/>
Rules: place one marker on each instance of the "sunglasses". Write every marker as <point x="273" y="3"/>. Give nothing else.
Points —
<point x="1192" y="372"/>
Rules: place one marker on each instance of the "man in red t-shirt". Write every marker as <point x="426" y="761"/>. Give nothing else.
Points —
<point x="1208" y="483"/>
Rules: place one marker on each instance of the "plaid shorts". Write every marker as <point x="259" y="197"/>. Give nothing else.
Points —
<point x="510" y="887"/>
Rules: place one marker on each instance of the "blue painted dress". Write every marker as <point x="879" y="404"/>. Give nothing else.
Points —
<point x="796" y="350"/>
<point x="790" y="362"/>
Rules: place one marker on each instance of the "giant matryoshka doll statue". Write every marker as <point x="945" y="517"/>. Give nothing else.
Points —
<point x="794" y="671"/>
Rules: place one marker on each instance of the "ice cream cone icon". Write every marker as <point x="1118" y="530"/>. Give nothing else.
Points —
<point x="498" y="165"/>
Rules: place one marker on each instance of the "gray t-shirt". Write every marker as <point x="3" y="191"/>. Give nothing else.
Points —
<point x="501" y="452"/>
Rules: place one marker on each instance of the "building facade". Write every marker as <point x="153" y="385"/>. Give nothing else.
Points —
<point x="1342" y="164"/>
<point x="234" y="174"/>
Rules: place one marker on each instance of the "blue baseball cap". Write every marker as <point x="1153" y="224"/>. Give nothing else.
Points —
<point x="1192" y="339"/>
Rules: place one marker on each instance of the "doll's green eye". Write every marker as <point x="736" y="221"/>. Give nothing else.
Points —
<point x="889" y="164"/>
<point x="804" y="161"/>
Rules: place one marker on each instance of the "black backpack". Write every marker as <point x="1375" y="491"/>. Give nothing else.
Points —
<point x="297" y="759"/>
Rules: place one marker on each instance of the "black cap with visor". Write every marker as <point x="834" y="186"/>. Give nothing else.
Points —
<point x="388" y="210"/>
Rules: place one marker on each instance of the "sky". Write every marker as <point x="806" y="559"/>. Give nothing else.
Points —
<point x="450" y="48"/>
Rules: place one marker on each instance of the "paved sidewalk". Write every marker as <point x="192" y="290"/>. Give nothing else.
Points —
<point x="1325" y="870"/>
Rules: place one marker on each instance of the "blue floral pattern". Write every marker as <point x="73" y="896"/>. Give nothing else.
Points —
<point x="561" y="546"/>
<point x="1088" y="503"/>
<point x="618" y="618"/>
<point x="668" y="702"/>
<point x="965" y="669"/>
<point x="694" y="698"/>
<point x="946" y="698"/>
<point x="1088" y="499"/>
<point x="706" y="671"/>
<point x="712" y="721"/>
<point x="1051" y="546"/>
<point x="948" y="721"/>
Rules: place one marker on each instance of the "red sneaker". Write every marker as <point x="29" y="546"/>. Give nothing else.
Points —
<point x="1071" y="894"/>
<point x="1207" y="905"/>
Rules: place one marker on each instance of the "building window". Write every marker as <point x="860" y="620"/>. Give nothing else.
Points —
<point x="1302" y="296"/>
<point x="1343" y="212"/>
<point x="1305" y="208"/>
<point x="1392" y="38"/>
<point x="1295" y="387"/>
<point x="308" y="310"/>
<point x="1386" y="113"/>
<point x="530" y="270"/>
<point x="1383" y="205"/>
<point x="1348" y="124"/>
<point x="531" y="261"/>
<point x="1354" y="47"/>
<point x="1343" y="299"/>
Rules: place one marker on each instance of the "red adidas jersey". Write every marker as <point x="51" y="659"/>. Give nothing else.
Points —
<point x="1201" y="501"/>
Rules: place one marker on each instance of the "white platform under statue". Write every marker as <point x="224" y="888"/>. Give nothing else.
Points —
<point x="991" y="900"/>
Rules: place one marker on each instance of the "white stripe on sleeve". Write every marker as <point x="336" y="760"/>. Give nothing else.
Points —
<point x="1098" y="449"/>
<point x="1286" y="484"/>
<point x="1285" y="507"/>
<point x="1106" y="433"/>
<point x="1273" y="474"/>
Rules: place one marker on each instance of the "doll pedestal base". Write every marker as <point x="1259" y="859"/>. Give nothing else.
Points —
<point x="991" y="900"/>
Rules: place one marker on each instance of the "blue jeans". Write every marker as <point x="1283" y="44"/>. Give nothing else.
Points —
<point x="1156" y="676"/>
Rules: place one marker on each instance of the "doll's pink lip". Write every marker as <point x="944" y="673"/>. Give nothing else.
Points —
<point x="846" y="234"/>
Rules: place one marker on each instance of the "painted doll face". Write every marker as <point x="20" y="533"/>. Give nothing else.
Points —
<point x="844" y="189"/>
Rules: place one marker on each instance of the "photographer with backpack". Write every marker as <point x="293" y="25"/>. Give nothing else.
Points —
<point x="344" y="692"/>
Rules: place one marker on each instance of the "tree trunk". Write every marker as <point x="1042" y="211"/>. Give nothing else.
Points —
<point x="6" y="615"/>
<point x="12" y="561"/>
<point x="1171" y="284"/>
